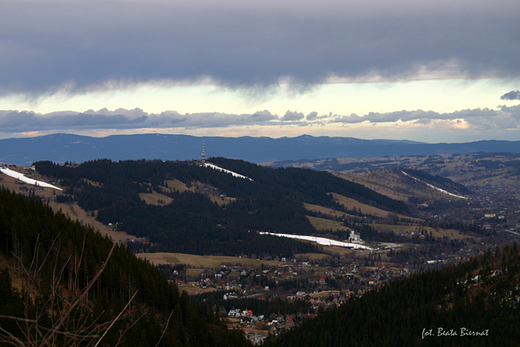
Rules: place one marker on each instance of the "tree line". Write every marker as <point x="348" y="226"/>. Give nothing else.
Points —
<point x="78" y="288"/>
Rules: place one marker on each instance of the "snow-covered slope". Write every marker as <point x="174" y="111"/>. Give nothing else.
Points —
<point x="215" y="167"/>
<point x="434" y="187"/>
<point x="320" y="240"/>
<point x="27" y="180"/>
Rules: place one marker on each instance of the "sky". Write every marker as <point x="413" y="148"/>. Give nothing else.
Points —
<point x="439" y="71"/>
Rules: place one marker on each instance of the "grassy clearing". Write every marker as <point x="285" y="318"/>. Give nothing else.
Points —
<point x="326" y="211"/>
<point x="382" y="185"/>
<point x="177" y="185"/>
<point x="310" y="256"/>
<point x="221" y="201"/>
<point x="192" y="289"/>
<point x="347" y="252"/>
<point x="73" y="211"/>
<point x="322" y="224"/>
<point x="155" y="198"/>
<point x="408" y="229"/>
<point x="350" y="204"/>
<point x="201" y="261"/>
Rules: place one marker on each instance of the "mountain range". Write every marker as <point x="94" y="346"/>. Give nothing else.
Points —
<point x="69" y="147"/>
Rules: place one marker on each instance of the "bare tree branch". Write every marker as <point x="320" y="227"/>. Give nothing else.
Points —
<point x="117" y="318"/>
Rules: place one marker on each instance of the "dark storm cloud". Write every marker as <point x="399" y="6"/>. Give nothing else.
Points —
<point x="80" y="45"/>
<point x="512" y="95"/>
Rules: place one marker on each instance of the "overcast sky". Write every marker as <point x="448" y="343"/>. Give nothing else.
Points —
<point x="441" y="71"/>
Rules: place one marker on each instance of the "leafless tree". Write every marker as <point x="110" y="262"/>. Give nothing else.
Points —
<point x="67" y="307"/>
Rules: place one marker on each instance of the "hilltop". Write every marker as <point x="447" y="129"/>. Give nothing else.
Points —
<point x="192" y="208"/>
<point x="68" y="147"/>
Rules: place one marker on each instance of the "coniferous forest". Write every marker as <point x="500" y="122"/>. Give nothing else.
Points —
<point x="473" y="304"/>
<point x="271" y="201"/>
<point x="63" y="284"/>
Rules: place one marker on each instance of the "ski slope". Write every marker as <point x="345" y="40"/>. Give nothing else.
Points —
<point x="215" y="167"/>
<point x="21" y="177"/>
<point x="434" y="187"/>
<point x="320" y="240"/>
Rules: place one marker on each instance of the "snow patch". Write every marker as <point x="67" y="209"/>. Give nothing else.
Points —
<point x="27" y="180"/>
<point x="320" y="240"/>
<point x="215" y="167"/>
<point x="434" y="187"/>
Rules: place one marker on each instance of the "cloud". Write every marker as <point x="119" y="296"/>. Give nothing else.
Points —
<point x="512" y="95"/>
<point x="79" y="46"/>
<point x="15" y="121"/>
<point x="477" y="120"/>
<point x="292" y="116"/>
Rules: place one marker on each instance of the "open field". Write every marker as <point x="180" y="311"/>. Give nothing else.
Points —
<point x="408" y="229"/>
<point x="155" y="198"/>
<point x="383" y="184"/>
<point x="350" y="204"/>
<point x="322" y="224"/>
<point x="326" y="211"/>
<point x="72" y="210"/>
<point x="202" y="261"/>
<point x="310" y="256"/>
<point x="341" y="251"/>
<point x="221" y="201"/>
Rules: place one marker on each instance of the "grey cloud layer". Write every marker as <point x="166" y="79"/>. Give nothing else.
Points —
<point x="512" y="95"/>
<point x="45" y="46"/>
<point x="15" y="121"/>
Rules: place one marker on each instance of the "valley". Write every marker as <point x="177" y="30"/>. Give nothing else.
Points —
<point x="407" y="222"/>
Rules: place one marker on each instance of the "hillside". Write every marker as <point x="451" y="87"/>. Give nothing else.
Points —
<point x="188" y="208"/>
<point x="63" y="284"/>
<point x="472" y="304"/>
<point x="405" y="184"/>
<point x="470" y="169"/>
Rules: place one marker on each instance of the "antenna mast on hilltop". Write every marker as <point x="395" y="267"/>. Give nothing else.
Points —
<point x="203" y="152"/>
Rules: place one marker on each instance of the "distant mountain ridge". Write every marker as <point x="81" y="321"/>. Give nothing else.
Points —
<point x="77" y="148"/>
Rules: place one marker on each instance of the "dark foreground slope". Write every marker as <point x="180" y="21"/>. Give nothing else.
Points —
<point x="59" y="286"/>
<point x="472" y="304"/>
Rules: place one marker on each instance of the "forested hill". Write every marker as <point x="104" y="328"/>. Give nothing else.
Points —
<point x="61" y="283"/>
<point x="472" y="304"/>
<point x="201" y="220"/>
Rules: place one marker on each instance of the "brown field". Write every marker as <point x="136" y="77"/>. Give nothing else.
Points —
<point x="73" y="211"/>
<point x="384" y="189"/>
<point x="221" y="201"/>
<point x="325" y="294"/>
<point x="367" y="209"/>
<point x="310" y="256"/>
<point x="449" y="233"/>
<point x="326" y="211"/>
<point x="351" y="204"/>
<point x="329" y="250"/>
<point x="153" y="198"/>
<point x="192" y="289"/>
<point x="201" y="261"/>
<point x="177" y="185"/>
<point x="323" y="224"/>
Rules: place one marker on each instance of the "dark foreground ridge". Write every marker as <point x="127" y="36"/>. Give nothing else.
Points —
<point x="65" y="285"/>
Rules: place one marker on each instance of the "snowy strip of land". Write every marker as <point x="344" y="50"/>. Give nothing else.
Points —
<point x="434" y="187"/>
<point x="215" y="167"/>
<point x="27" y="180"/>
<point x="320" y="240"/>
